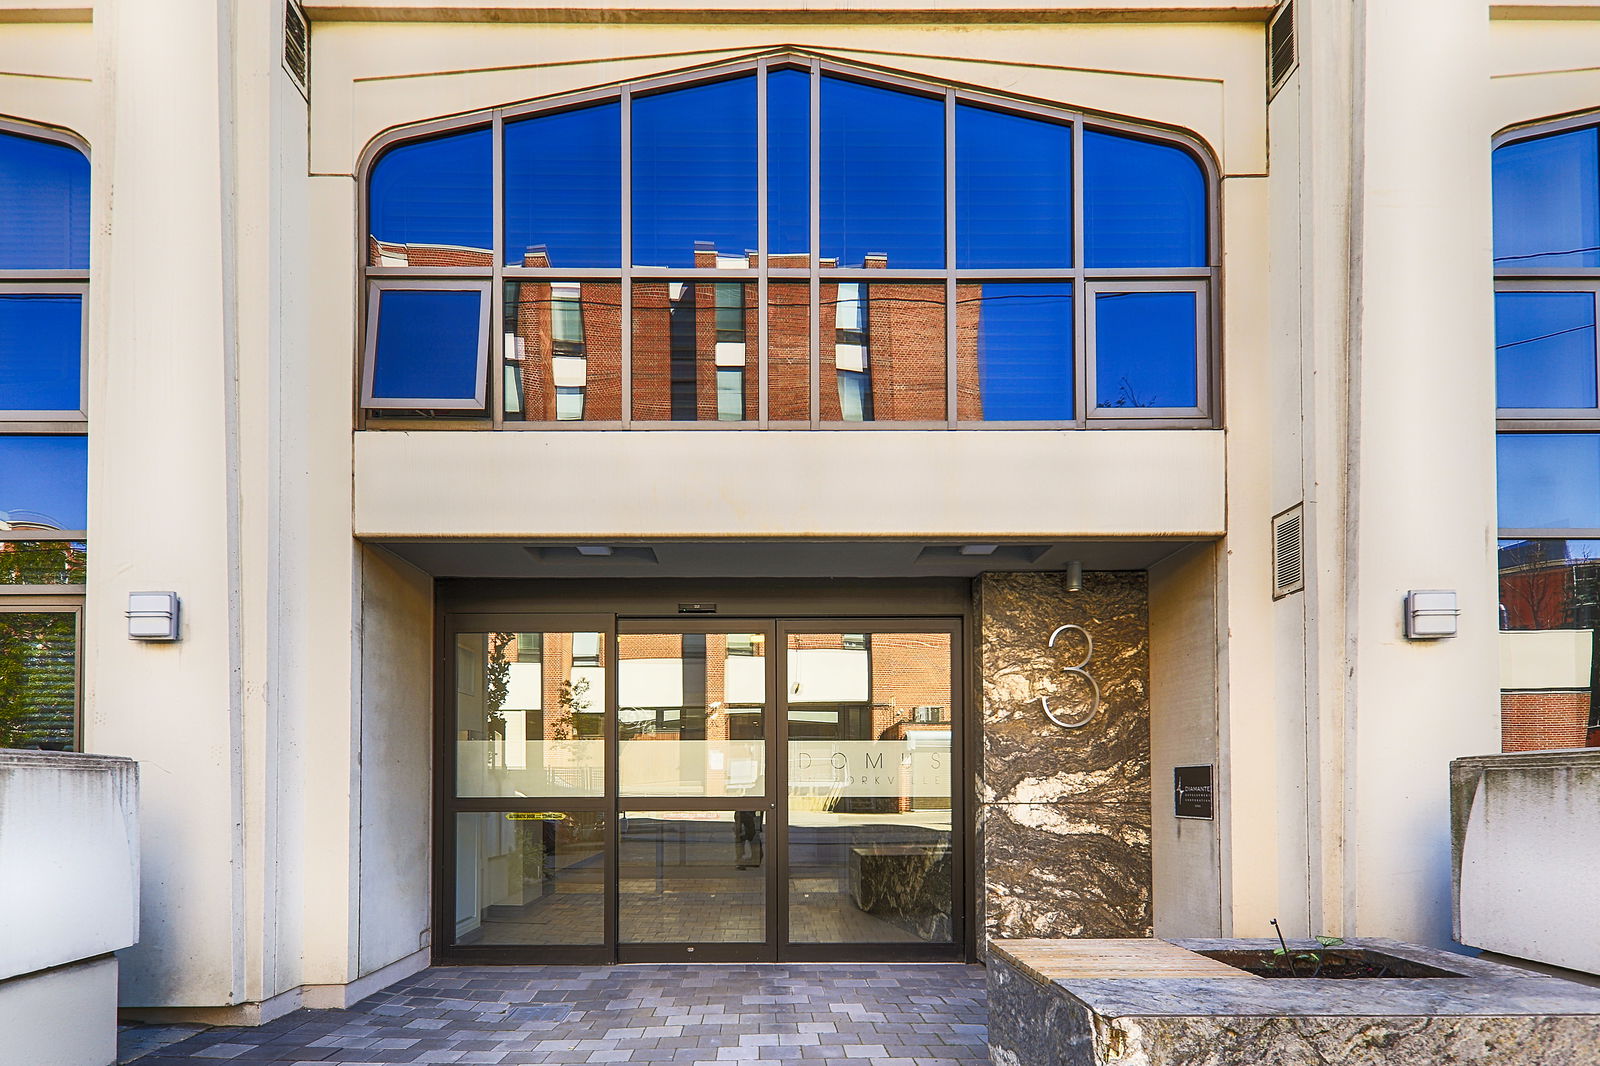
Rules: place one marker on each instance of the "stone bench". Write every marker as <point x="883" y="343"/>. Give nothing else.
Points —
<point x="1158" y="1003"/>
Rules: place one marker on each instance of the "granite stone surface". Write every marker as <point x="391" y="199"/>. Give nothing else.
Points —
<point x="1064" y="824"/>
<point x="1490" y="1014"/>
<point x="1066" y="870"/>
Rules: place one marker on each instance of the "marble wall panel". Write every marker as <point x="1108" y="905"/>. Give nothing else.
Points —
<point x="1026" y="757"/>
<point x="1064" y="820"/>
<point x="1066" y="870"/>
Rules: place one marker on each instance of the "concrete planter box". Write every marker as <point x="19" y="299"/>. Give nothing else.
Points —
<point x="1526" y="844"/>
<point x="1154" y="1003"/>
<point x="69" y="897"/>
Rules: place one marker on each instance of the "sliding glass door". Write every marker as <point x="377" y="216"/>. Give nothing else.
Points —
<point x="719" y="790"/>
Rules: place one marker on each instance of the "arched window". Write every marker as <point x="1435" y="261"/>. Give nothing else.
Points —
<point x="44" y="277"/>
<point x="789" y="243"/>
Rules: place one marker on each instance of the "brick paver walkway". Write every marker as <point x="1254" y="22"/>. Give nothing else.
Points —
<point x="820" y="1015"/>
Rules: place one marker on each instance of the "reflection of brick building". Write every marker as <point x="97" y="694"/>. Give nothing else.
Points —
<point x="695" y="344"/>
<point x="1544" y="587"/>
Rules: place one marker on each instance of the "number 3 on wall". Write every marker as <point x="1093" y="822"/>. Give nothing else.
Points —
<point x="1082" y="716"/>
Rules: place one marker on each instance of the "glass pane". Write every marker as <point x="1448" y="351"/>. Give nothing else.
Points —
<point x="44" y="482"/>
<point x="44" y="205"/>
<point x="694" y="354"/>
<point x="788" y="351"/>
<point x="530" y="714"/>
<point x="1015" y="343"/>
<point x="430" y="203"/>
<point x="1544" y="349"/>
<point x="1144" y="349"/>
<point x="1547" y="201"/>
<point x="869" y="787"/>
<point x="563" y="347"/>
<point x="882" y="177"/>
<point x="1013" y="190"/>
<point x="694" y="175"/>
<point x="696" y="876"/>
<point x="692" y="714"/>
<point x="428" y="348"/>
<point x="41" y="351"/>
<point x="1549" y="480"/>
<point x="1144" y="204"/>
<point x="530" y="877"/>
<point x="43" y="562"/>
<point x="1550" y="623"/>
<point x="883" y="352"/>
<point x="38" y="680"/>
<point x="789" y="168"/>
<point x="563" y="189"/>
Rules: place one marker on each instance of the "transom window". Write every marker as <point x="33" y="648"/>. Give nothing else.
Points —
<point x="44" y="288"/>
<point x="788" y="243"/>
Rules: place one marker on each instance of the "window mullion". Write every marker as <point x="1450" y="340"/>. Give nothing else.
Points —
<point x="952" y="356"/>
<point x="497" y="346"/>
<point x="762" y="240"/>
<point x="625" y="263"/>
<point x="814" y="266"/>
<point x="1080" y="293"/>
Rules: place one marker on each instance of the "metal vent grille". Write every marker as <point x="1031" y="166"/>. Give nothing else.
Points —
<point x="297" y="45"/>
<point x="1281" y="53"/>
<point x="1288" y="553"/>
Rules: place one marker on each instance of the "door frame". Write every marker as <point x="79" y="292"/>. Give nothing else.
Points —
<point x="782" y="606"/>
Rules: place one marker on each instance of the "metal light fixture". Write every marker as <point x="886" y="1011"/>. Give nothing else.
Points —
<point x="1431" y="614"/>
<point x="1074" y="576"/>
<point x="153" y="616"/>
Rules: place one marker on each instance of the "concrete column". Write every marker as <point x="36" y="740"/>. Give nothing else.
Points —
<point x="1421" y="454"/>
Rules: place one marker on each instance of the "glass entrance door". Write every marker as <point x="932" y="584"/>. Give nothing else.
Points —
<point x="727" y="790"/>
<point x="694" y="749"/>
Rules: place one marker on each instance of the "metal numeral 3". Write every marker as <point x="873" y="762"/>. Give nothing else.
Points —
<point x="1082" y="717"/>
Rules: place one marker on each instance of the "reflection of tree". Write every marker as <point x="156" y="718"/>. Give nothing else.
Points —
<point x="574" y="700"/>
<point x="41" y="562"/>
<point x="1534" y="585"/>
<point x="497" y="682"/>
<point x="37" y="679"/>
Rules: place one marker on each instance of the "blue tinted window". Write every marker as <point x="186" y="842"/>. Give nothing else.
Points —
<point x="882" y="176"/>
<point x="44" y="205"/>
<point x="435" y="192"/>
<point x="428" y="345"/>
<point x="789" y="164"/>
<point x="1145" y="349"/>
<point x="1025" y="352"/>
<point x="563" y="188"/>
<point x="1549" y="480"/>
<point x="1544" y="349"/>
<point x="694" y="173"/>
<point x="1013" y="191"/>
<point x="44" y="481"/>
<point x="41" y="344"/>
<point x="1547" y="201"/>
<point x="1144" y="204"/>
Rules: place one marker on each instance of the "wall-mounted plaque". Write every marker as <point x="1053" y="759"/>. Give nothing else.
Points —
<point x="1192" y="792"/>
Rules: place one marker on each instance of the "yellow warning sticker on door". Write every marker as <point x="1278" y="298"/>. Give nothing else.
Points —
<point x="535" y="816"/>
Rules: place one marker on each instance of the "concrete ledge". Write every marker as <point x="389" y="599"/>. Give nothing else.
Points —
<point x="1525" y="840"/>
<point x="66" y="1016"/>
<point x="1488" y="1014"/>
<point x="310" y="997"/>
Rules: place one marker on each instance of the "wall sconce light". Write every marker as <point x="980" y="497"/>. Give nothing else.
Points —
<point x="153" y="616"/>
<point x="1431" y="614"/>
<point x="1074" y="576"/>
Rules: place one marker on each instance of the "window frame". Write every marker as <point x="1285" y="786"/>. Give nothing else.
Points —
<point x="376" y="287"/>
<point x="1547" y="279"/>
<point x="1205" y="279"/>
<point x="53" y="599"/>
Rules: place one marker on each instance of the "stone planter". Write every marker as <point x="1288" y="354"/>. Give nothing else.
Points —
<point x="1154" y="1003"/>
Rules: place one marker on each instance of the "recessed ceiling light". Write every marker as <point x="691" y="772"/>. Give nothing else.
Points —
<point x="593" y="549"/>
<point x="979" y="549"/>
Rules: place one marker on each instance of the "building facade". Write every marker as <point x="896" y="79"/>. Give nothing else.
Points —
<point x="828" y="480"/>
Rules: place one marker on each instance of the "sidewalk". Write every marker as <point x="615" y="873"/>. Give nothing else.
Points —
<point x="818" y="1014"/>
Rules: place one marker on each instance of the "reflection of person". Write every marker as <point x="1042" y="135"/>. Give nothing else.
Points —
<point x="747" y="849"/>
